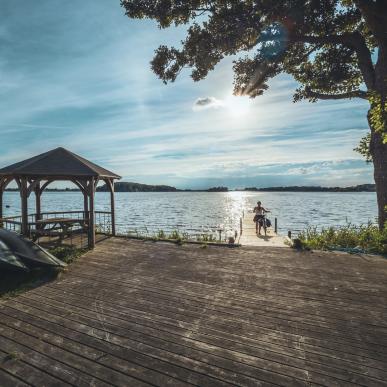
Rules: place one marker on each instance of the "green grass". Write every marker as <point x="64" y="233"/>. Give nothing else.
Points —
<point x="206" y="238"/>
<point x="67" y="254"/>
<point x="173" y="236"/>
<point x="366" y="238"/>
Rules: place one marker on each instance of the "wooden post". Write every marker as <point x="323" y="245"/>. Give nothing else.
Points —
<point x="112" y="207"/>
<point x="24" y="206"/>
<point x="1" y="205"/>
<point x="37" y="202"/>
<point x="91" y="214"/>
<point x="275" y="225"/>
<point x="1" y="201"/>
<point x="85" y="205"/>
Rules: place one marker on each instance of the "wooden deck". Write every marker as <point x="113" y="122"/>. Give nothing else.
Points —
<point x="132" y="313"/>
<point x="250" y="238"/>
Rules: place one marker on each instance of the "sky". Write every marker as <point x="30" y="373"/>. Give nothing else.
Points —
<point x="76" y="74"/>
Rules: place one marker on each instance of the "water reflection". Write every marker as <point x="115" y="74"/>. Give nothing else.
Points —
<point x="197" y="212"/>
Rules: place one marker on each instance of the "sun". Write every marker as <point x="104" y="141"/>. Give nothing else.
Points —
<point x="237" y="106"/>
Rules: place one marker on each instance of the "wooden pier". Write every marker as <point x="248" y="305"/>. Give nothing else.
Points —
<point x="132" y="313"/>
<point x="248" y="236"/>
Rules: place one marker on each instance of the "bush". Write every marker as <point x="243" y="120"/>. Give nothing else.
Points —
<point x="67" y="254"/>
<point x="366" y="238"/>
<point x="206" y="238"/>
<point x="161" y="234"/>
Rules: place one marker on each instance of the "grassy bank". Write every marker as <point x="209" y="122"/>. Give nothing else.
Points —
<point x="13" y="283"/>
<point x="179" y="237"/>
<point x="356" y="239"/>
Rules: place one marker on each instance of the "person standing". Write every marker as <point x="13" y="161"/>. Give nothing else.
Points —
<point x="259" y="218"/>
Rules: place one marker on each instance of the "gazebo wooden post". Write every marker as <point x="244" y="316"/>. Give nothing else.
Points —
<point x="38" y="194"/>
<point x="91" y="213"/>
<point x="110" y="184"/>
<point x="86" y="205"/>
<point x="1" y="200"/>
<point x="24" y="205"/>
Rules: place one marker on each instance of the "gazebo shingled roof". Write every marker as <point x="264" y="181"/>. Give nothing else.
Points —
<point x="57" y="164"/>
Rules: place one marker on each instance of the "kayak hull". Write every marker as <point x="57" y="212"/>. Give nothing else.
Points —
<point x="27" y="253"/>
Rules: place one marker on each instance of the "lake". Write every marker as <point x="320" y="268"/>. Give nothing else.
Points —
<point x="199" y="212"/>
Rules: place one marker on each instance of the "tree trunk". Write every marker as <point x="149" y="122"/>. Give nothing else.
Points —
<point x="379" y="156"/>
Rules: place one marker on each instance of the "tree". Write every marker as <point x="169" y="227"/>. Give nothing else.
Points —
<point x="334" y="49"/>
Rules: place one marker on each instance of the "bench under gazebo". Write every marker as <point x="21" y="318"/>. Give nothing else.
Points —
<point x="36" y="174"/>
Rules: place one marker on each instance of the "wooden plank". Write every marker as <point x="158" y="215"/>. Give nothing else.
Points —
<point x="129" y="309"/>
<point x="268" y="339"/>
<point x="209" y="316"/>
<point x="249" y="236"/>
<point x="228" y="306"/>
<point x="258" y="304"/>
<point x="290" y="322"/>
<point x="11" y="364"/>
<point x="97" y="371"/>
<point x="8" y="380"/>
<point x="274" y="283"/>
<point x="62" y="373"/>
<point x="269" y="353"/>
<point x="200" y="372"/>
<point x="100" y="350"/>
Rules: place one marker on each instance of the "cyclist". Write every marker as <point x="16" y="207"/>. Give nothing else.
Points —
<point x="259" y="218"/>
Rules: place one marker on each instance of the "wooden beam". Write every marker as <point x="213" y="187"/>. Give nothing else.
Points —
<point x="110" y="184"/>
<point x="5" y="182"/>
<point x="32" y="185"/>
<point x="1" y="205"/>
<point x="80" y="185"/>
<point x="86" y="205"/>
<point x="38" y="195"/>
<point x="24" y="205"/>
<point x="2" y="187"/>
<point x="91" y="213"/>
<point x="45" y="185"/>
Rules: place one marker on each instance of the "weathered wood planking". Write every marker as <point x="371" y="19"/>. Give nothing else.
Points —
<point x="143" y="313"/>
<point x="249" y="235"/>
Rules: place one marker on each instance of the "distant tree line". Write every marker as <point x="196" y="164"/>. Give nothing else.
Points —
<point x="357" y="188"/>
<point x="217" y="189"/>
<point x="137" y="187"/>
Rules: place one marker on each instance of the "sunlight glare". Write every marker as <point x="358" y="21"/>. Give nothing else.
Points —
<point x="238" y="106"/>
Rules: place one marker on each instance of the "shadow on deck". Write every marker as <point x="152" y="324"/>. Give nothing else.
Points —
<point x="144" y="313"/>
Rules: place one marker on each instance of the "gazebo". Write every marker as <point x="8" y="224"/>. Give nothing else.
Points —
<point x="36" y="173"/>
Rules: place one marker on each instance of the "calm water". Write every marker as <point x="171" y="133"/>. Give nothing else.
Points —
<point x="206" y="211"/>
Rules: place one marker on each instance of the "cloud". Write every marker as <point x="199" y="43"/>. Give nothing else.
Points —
<point x="203" y="103"/>
<point x="106" y="104"/>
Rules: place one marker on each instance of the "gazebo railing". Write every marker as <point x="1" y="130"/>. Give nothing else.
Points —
<point x="103" y="221"/>
<point x="62" y="214"/>
<point x="11" y="223"/>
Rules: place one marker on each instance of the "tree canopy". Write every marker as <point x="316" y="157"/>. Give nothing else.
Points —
<point x="326" y="45"/>
<point x="335" y="49"/>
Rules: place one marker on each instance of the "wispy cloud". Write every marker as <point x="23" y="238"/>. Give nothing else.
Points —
<point x="204" y="103"/>
<point x="71" y="80"/>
